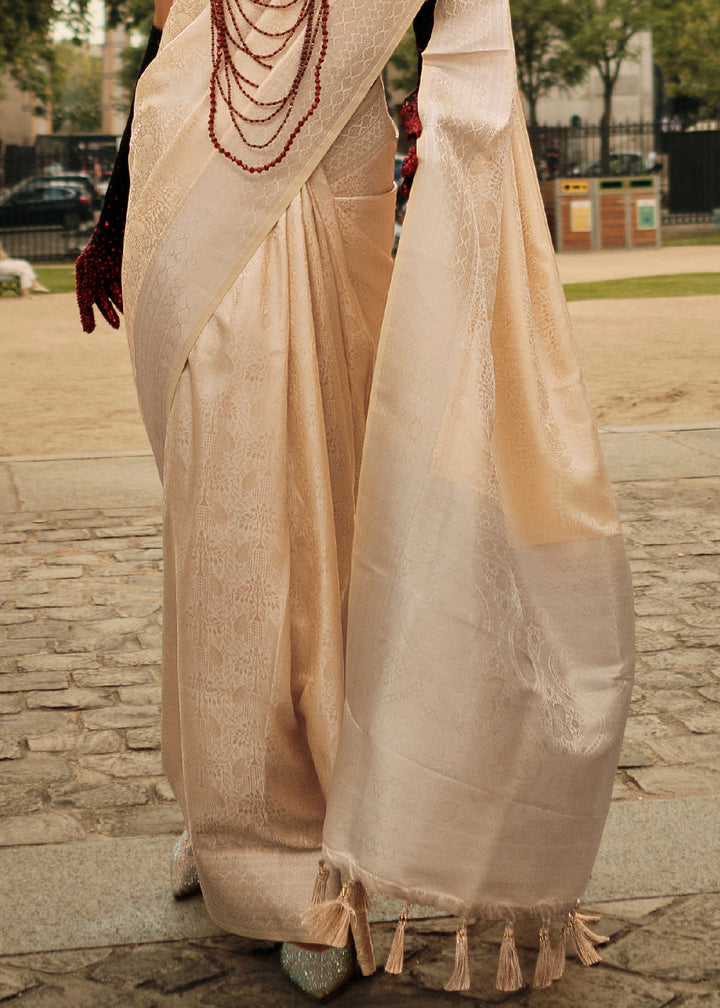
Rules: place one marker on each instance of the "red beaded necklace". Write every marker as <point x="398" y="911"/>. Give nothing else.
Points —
<point x="232" y="22"/>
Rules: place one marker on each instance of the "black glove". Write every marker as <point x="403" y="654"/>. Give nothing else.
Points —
<point x="98" y="270"/>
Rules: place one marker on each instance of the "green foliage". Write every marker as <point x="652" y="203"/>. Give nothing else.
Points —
<point x="603" y="36"/>
<point x="401" y="73"/>
<point x="136" y="16"/>
<point x="26" y="48"/>
<point x="687" y="48"/>
<point x="133" y="14"/>
<point x="76" y="89"/>
<point x="545" y="60"/>
<point x="604" y="32"/>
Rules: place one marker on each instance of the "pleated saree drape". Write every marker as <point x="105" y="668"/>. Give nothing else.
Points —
<point x="489" y="624"/>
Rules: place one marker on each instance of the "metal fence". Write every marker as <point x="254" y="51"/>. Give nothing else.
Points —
<point x="43" y="244"/>
<point x="35" y="235"/>
<point x="686" y="161"/>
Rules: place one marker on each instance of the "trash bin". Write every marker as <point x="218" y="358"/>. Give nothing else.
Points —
<point x="606" y="213"/>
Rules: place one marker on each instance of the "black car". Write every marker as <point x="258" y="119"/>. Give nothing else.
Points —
<point x="78" y="180"/>
<point x="619" y="163"/>
<point x="46" y="202"/>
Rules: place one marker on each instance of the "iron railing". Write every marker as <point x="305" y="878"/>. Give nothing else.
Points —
<point x="685" y="161"/>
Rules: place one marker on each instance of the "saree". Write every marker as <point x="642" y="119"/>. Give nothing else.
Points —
<point x="427" y="689"/>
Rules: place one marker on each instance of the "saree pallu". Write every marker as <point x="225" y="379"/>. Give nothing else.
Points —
<point x="490" y="640"/>
<point x="489" y="647"/>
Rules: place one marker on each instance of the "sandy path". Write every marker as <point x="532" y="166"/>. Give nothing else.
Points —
<point x="584" y="267"/>
<point x="61" y="390"/>
<point x="652" y="361"/>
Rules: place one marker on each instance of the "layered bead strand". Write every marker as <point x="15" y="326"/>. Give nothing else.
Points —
<point x="233" y="22"/>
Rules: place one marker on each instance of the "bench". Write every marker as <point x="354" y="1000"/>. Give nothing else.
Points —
<point x="10" y="282"/>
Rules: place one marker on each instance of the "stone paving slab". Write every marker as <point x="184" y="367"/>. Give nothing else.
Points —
<point x="121" y="892"/>
<point x="658" y="848"/>
<point x="131" y="481"/>
<point x="666" y="453"/>
<point x="80" y="895"/>
<point x="654" y="959"/>
<point x="80" y="594"/>
<point x="54" y="484"/>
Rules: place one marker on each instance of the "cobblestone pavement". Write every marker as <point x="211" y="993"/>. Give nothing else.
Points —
<point x="80" y="626"/>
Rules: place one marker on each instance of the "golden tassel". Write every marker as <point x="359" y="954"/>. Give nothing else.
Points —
<point x="320" y="888"/>
<point x="396" y="958"/>
<point x="509" y="975"/>
<point x="360" y="927"/>
<point x="586" y="919"/>
<point x="583" y="938"/>
<point x="544" y="966"/>
<point x="460" y="979"/>
<point x="329" y="923"/>
<point x="558" y="954"/>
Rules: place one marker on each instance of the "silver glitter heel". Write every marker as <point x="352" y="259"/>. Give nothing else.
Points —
<point x="319" y="974"/>
<point x="184" y="879"/>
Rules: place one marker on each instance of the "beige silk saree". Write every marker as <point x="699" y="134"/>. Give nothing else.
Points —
<point x="489" y="625"/>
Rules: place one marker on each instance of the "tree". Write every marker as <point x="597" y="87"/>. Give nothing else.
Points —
<point x="603" y="36"/>
<point x="26" y="49"/>
<point x="686" y="42"/>
<point x="76" y="89"/>
<point x="545" y="59"/>
<point x="136" y="17"/>
<point x="401" y="73"/>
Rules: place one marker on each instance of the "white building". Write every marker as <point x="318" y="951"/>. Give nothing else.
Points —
<point x="633" y="97"/>
<point x="19" y="125"/>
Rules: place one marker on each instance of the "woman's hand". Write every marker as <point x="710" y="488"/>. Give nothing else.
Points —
<point x="98" y="282"/>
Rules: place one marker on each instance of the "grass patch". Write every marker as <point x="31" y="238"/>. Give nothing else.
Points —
<point x="58" y="279"/>
<point x="676" y="285"/>
<point x="708" y="239"/>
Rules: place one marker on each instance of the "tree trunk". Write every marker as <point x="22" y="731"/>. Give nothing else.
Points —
<point x="532" y="100"/>
<point x="608" y="85"/>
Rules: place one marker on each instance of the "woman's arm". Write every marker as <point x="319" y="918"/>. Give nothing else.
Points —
<point x="98" y="271"/>
<point x="162" y="9"/>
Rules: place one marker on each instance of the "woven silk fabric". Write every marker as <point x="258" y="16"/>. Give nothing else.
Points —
<point x="490" y="638"/>
<point x="486" y="614"/>
<point x="261" y="465"/>
<point x="195" y="219"/>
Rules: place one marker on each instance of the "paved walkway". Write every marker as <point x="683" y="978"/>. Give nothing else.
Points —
<point x="582" y="267"/>
<point x="87" y="819"/>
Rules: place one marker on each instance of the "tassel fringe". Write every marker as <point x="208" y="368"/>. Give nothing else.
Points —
<point x="360" y="927"/>
<point x="544" y="966"/>
<point x="320" y="888"/>
<point x="584" y="939"/>
<point x="509" y="975"/>
<point x="396" y="957"/>
<point x="558" y="955"/>
<point x="329" y="922"/>
<point x="460" y="979"/>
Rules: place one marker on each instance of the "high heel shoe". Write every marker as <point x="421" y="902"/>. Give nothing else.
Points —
<point x="318" y="973"/>
<point x="184" y="879"/>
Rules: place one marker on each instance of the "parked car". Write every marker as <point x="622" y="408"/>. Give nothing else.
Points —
<point x="80" y="180"/>
<point x="46" y="202"/>
<point x="620" y="163"/>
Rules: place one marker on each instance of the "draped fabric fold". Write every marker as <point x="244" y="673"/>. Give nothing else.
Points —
<point x="485" y="618"/>
<point x="490" y="642"/>
<point x="194" y="218"/>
